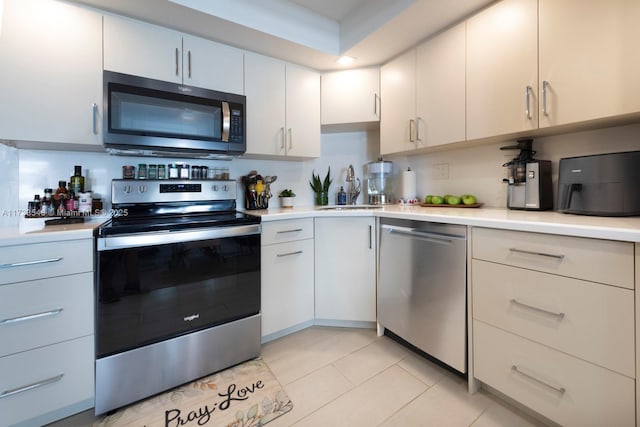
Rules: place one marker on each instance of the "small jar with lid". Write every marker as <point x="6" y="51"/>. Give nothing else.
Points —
<point x="184" y="171"/>
<point x="152" y="172"/>
<point x="174" y="171"/>
<point x="142" y="171"/>
<point x="162" y="172"/>
<point x="128" y="172"/>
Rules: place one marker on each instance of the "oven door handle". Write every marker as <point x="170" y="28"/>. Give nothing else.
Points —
<point x="136" y="240"/>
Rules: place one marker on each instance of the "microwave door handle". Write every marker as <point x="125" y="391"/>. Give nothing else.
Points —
<point x="226" y="121"/>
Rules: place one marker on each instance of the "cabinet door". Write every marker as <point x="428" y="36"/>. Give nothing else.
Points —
<point x="502" y="69"/>
<point x="287" y="285"/>
<point x="212" y="65"/>
<point x="440" y="86"/>
<point x="51" y="73"/>
<point x="350" y="96"/>
<point x="265" y="91"/>
<point x="345" y="269"/>
<point x="589" y="57"/>
<point x="134" y="47"/>
<point x="302" y="112"/>
<point x="397" y="96"/>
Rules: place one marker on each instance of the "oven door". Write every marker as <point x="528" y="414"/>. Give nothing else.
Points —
<point x="155" y="286"/>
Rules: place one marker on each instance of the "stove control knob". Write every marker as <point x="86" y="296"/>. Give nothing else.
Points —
<point x="215" y="188"/>
<point x="126" y="189"/>
<point x="225" y="188"/>
<point x="142" y="188"/>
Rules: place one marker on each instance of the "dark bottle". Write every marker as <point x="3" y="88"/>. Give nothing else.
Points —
<point x="60" y="196"/>
<point x="34" y="206"/>
<point x="47" y="202"/>
<point x="76" y="182"/>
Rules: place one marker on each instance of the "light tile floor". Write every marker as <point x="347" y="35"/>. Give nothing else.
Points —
<point x="351" y="377"/>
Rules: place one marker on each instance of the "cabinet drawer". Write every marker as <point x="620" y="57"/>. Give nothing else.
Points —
<point x="565" y="389"/>
<point x="61" y="376"/>
<point x="286" y="230"/>
<point x="42" y="312"/>
<point x="585" y="319"/>
<point x="37" y="261"/>
<point x="595" y="260"/>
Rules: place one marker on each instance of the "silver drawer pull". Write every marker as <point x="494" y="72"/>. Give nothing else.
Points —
<point x="522" y="251"/>
<point x="289" y="231"/>
<point x="560" y="316"/>
<point x="560" y="390"/>
<point x="31" y="386"/>
<point x="31" y="316"/>
<point x="290" y="253"/>
<point x="25" y="263"/>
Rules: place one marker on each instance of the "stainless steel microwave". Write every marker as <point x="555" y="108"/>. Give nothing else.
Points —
<point x="149" y="117"/>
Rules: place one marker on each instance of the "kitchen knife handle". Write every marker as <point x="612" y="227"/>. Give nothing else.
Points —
<point x="544" y="97"/>
<point x="527" y="96"/>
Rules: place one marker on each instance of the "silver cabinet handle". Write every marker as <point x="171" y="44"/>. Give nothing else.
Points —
<point x="418" y="120"/>
<point x="295" y="230"/>
<point x="411" y="126"/>
<point x="290" y="139"/>
<point x="544" y="97"/>
<point x="376" y="103"/>
<point x="522" y="251"/>
<point x="26" y="263"/>
<point x="370" y="237"/>
<point x="527" y="96"/>
<point x="177" y="63"/>
<point x="31" y="316"/>
<point x="289" y="254"/>
<point x="94" y="113"/>
<point x="560" y="316"/>
<point x="517" y="370"/>
<point x="11" y="392"/>
<point x="189" y="62"/>
<point x="282" y="143"/>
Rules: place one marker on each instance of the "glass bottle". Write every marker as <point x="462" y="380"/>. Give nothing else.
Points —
<point x="60" y="196"/>
<point x="76" y="182"/>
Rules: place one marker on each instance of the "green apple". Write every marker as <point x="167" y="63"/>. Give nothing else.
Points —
<point x="453" y="200"/>
<point x="427" y="199"/>
<point x="468" y="199"/>
<point x="437" y="200"/>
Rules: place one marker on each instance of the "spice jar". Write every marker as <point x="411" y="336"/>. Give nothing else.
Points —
<point x="174" y="171"/>
<point x="152" y="171"/>
<point x="128" y="172"/>
<point x="142" y="171"/>
<point x="184" y="171"/>
<point x="162" y="172"/>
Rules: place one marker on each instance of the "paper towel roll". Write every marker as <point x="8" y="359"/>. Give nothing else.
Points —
<point x="408" y="185"/>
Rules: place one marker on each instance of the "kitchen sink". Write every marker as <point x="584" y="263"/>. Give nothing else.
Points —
<point x="349" y="207"/>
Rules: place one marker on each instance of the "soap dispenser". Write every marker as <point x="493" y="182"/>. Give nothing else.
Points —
<point x="342" y="196"/>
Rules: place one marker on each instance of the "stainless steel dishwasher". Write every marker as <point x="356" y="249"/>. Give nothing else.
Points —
<point x="422" y="287"/>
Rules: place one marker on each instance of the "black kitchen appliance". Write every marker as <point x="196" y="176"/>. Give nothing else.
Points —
<point x="529" y="179"/>
<point x="177" y="287"/>
<point x="601" y="184"/>
<point x="146" y="117"/>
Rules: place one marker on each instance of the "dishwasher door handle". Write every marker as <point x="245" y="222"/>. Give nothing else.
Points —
<point x="444" y="239"/>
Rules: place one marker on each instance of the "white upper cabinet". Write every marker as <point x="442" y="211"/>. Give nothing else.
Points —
<point x="440" y="85"/>
<point x="50" y="73"/>
<point x="502" y="71"/>
<point x="589" y="59"/>
<point x="398" y="94"/>
<point x="283" y="104"/>
<point x="350" y="96"/>
<point x="141" y="49"/>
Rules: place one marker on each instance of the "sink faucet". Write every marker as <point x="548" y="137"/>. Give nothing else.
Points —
<point x="353" y="189"/>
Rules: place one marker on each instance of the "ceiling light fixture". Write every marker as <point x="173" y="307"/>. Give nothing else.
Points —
<point x="345" y="60"/>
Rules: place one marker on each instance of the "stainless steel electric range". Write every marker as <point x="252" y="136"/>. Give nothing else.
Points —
<point x="177" y="287"/>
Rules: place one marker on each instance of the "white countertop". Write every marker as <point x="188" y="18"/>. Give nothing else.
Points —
<point x="614" y="228"/>
<point x="34" y="231"/>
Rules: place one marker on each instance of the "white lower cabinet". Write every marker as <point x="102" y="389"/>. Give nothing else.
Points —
<point x="565" y="389"/>
<point x="46" y="331"/>
<point x="345" y="275"/>
<point x="287" y="257"/>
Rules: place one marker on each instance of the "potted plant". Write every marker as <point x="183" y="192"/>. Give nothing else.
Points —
<point x="286" y="198"/>
<point x="321" y="187"/>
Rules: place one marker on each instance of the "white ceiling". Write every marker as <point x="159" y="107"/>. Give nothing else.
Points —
<point x="309" y="32"/>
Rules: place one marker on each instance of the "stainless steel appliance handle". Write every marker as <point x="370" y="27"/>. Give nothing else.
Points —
<point x="517" y="370"/>
<point x="560" y="315"/>
<point x="177" y="63"/>
<point x="289" y="254"/>
<point x="25" y="263"/>
<point x="370" y="237"/>
<point x="189" y="62"/>
<point x="136" y="240"/>
<point x="445" y="239"/>
<point x="544" y="97"/>
<point x="527" y="96"/>
<point x="226" y="121"/>
<point x="522" y="251"/>
<point x="11" y="392"/>
<point x="31" y="316"/>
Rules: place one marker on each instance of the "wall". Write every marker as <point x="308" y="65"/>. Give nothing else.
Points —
<point x="478" y="170"/>
<point x="9" y="178"/>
